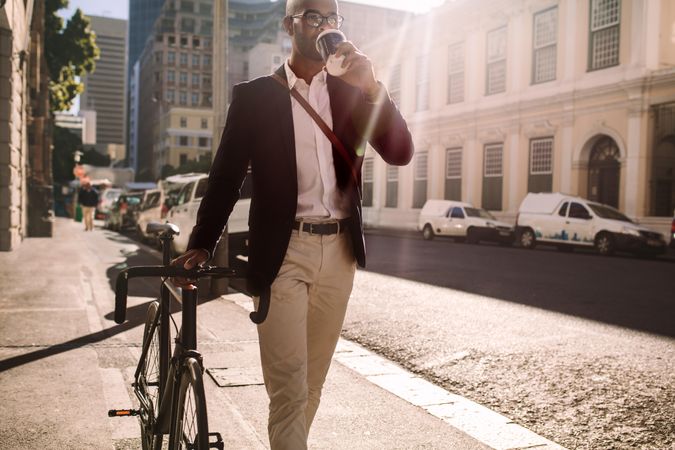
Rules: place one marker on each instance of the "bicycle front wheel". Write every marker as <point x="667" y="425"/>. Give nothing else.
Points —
<point x="147" y="380"/>
<point x="189" y="428"/>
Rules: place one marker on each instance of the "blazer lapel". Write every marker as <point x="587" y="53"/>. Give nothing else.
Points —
<point x="282" y="99"/>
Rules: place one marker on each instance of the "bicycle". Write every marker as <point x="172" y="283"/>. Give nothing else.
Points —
<point x="170" y="391"/>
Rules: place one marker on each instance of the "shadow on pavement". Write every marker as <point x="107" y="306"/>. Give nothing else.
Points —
<point x="135" y="314"/>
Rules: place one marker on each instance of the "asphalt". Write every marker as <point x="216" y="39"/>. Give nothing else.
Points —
<point x="64" y="363"/>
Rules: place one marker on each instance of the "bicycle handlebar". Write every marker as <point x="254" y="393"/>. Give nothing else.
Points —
<point x="121" y="285"/>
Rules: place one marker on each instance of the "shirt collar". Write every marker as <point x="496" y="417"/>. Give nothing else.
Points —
<point x="292" y="78"/>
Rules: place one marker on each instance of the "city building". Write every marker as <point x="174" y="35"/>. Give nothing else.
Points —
<point x="105" y="88"/>
<point x="142" y="17"/>
<point x="174" y="72"/>
<point x="82" y="124"/>
<point x="132" y="114"/>
<point x="186" y="136"/>
<point x="505" y="98"/>
<point x="26" y="199"/>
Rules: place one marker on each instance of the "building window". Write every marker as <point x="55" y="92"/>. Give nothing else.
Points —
<point x="183" y="41"/>
<point x="367" y="179"/>
<point x="420" y="179"/>
<point x="541" y="165"/>
<point x="195" y="99"/>
<point x="187" y="6"/>
<point x="171" y="76"/>
<point x="183" y="159"/>
<point x="171" y="58"/>
<point x="203" y="142"/>
<point x="422" y="84"/>
<point x="183" y="122"/>
<point x="395" y="84"/>
<point x="456" y="73"/>
<point x="195" y="80"/>
<point x="545" y="45"/>
<point x="205" y="9"/>
<point x="183" y="59"/>
<point x="496" y="61"/>
<point x="195" y="60"/>
<point x="493" y="160"/>
<point x="207" y="27"/>
<point x="453" y="174"/>
<point x="182" y="98"/>
<point x="172" y="40"/>
<point x="492" y="177"/>
<point x="195" y="42"/>
<point x="207" y="60"/>
<point x="205" y="124"/>
<point x="158" y="58"/>
<point x="207" y="99"/>
<point x="392" y="187"/>
<point x="183" y="141"/>
<point x="604" y="35"/>
<point x="207" y="81"/>
<point x="183" y="78"/>
<point x="170" y="96"/>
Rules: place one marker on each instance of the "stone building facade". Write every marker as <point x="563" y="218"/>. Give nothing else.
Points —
<point x="25" y="166"/>
<point x="509" y="97"/>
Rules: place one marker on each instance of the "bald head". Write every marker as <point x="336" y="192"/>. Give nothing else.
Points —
<point x="298" y="6"/>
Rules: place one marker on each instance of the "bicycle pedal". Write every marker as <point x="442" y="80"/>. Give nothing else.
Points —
<point x="218" y="443"/>
<point x="123" y="412"/>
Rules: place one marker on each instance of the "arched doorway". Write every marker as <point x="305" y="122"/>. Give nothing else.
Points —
<point x="604" y="172"/>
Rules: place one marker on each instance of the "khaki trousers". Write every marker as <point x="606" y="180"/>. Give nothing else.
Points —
<point x="88" y="216"/>
<point x="307" y="308"/>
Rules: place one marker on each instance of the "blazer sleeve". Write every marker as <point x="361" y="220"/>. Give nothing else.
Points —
<point x="226" y="176"/>
<point x="385" y="129"/>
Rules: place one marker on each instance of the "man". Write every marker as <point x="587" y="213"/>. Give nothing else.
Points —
<point x="88" y="198"/>
<point x="305" y="220"/>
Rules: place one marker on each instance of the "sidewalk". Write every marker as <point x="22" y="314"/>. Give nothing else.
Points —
<point x="64" y="362"/>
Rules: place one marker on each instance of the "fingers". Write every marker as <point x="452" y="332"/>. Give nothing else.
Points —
<point x="189" y="260"/>
<point x="345" y="48"/>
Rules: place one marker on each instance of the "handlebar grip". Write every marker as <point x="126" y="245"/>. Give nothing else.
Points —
<point x="260" y="315"/>
<point x="121" y="286"/>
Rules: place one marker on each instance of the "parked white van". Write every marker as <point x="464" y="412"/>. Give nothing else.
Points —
<point x="183" y="213"/>
<point x="567" y="222"/>
<point x="462" y="220"/>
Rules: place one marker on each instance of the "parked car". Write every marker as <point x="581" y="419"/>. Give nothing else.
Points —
<point x="121" y="213"/>
<point x="184" y="214"/>
<point x="568" y="222"/>
<point x="106" y="199"/>
<point x="149" y="210"/>
<point x="464" y="221"/>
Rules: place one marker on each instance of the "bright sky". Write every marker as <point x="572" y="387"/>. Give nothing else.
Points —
<point x="119" y="8"/>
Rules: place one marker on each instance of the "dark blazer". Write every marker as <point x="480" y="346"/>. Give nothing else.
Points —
<point x="259" y="131"/>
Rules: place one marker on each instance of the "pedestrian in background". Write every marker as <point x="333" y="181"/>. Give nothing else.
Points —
<point x="306" y="231"/>
<point x="88" y="199"/>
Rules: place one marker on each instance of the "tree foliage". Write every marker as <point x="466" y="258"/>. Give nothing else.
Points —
<point x="65" y="144"/>
<point x="70" y="52"/>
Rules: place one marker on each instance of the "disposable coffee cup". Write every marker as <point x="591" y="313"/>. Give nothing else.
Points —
<point x="326" y="44"/>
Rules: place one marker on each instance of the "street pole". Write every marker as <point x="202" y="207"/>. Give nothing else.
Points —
<point x="220" y="100"/>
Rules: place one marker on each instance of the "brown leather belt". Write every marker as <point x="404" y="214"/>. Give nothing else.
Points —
<point x="322" y="228"/>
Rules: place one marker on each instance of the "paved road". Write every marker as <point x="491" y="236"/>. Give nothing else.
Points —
<point x="577" y="347"/>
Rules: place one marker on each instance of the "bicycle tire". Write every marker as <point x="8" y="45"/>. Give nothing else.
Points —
<point x="189" y="424"/>
<point x="147" y="382"/>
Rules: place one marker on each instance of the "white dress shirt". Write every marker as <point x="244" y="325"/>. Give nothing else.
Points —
<point x="318" y="195"/>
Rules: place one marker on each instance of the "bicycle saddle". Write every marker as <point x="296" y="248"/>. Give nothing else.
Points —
<point x="159" y="228"/>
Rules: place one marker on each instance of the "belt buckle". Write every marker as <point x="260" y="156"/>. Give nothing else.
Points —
<point x="311" y="228"/>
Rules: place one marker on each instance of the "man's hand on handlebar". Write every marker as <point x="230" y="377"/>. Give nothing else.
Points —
<point x="189" y="260"/>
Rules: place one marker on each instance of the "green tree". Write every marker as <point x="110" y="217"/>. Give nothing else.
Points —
<point x="70" y="52"/>
<point x="92" y="157"/>
<point x="65" y="144"/>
